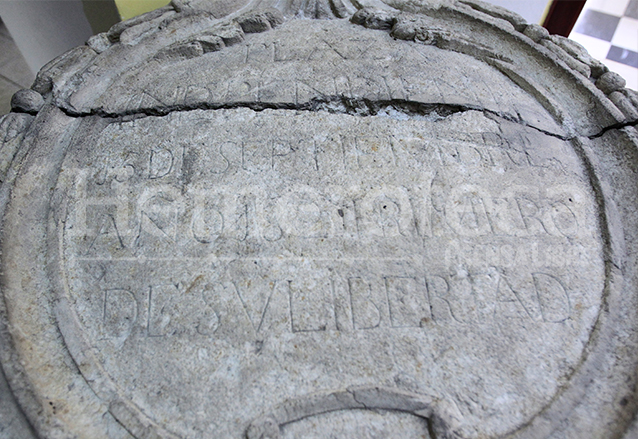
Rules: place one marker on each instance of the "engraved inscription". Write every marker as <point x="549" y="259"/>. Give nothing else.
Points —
<point x="303" y="211"/>
<point x="175" y="200"/>
<point x="274" y="71"/>
<point x="266" y="255"/>
<point x="378" y="302"/>
<point x="120" y="313"/>
<point x="408" y="302"/>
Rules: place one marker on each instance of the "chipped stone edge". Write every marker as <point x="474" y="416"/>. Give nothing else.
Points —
<point x="620" y="103"/>
<point x="573" y="56"/>
<point x="606" y="87"/>
<point x="13" y="127"/>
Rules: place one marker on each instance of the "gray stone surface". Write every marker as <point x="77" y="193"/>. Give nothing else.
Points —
<point x="229" y="220"/>
<point x="610" y="82"/>
<point x="27" y="101"/>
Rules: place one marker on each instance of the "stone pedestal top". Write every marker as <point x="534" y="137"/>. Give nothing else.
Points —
<point x="328" y="219"/>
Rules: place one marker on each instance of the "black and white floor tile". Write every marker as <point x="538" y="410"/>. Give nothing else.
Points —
<point x="609" y="31"/>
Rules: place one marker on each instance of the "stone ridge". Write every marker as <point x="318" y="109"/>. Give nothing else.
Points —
<point x="440" y="417"/>
<point x="403" y="26"/>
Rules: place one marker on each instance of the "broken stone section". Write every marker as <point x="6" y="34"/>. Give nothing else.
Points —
<point x="260" y="21"/>
<point x="222" y="36"/>
<point x="94" y="91"/>
<point x="322" y="71"/>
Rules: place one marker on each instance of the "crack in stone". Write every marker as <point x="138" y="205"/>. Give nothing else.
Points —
<point x="354" y="396"/>
<point x="393" y="108"/>
<point x="431" y="430"/>
<point x="398" y="109"/>
<point x="617" y="126"/>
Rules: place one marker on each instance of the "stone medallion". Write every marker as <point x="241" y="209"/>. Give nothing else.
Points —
<point x="321" y="220"/>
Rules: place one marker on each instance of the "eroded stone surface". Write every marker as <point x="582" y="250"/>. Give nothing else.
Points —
<point x="270" y="254"/>
<point x="335" y="61"/>
<point x="418" y="222"/>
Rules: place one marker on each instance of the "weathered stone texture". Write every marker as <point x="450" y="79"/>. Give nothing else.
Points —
<point x="232" y="220"/>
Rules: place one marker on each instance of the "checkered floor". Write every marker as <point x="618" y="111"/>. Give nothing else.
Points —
<point x="609" y="31"/>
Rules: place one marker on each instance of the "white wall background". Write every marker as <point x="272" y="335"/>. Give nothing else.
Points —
<point x="531" y="10"/>
<point x="44" y="29"/>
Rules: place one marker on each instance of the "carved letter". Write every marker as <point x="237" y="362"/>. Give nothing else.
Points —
<point x="161" y="310"/>
<point x="552" y="297"/>
<point x="365" y="313"/>
<point x="311" y="305"/>
<point x="120" y="313"/>
<point x="408" y="304"/>
<point x="207" y="223"/>
<point x="160" y="163"/>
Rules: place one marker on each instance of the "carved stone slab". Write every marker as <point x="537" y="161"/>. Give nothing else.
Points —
<point x="320" y="220"/>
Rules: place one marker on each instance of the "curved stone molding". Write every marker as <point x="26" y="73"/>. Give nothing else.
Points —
<point x="441" y="418"/>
